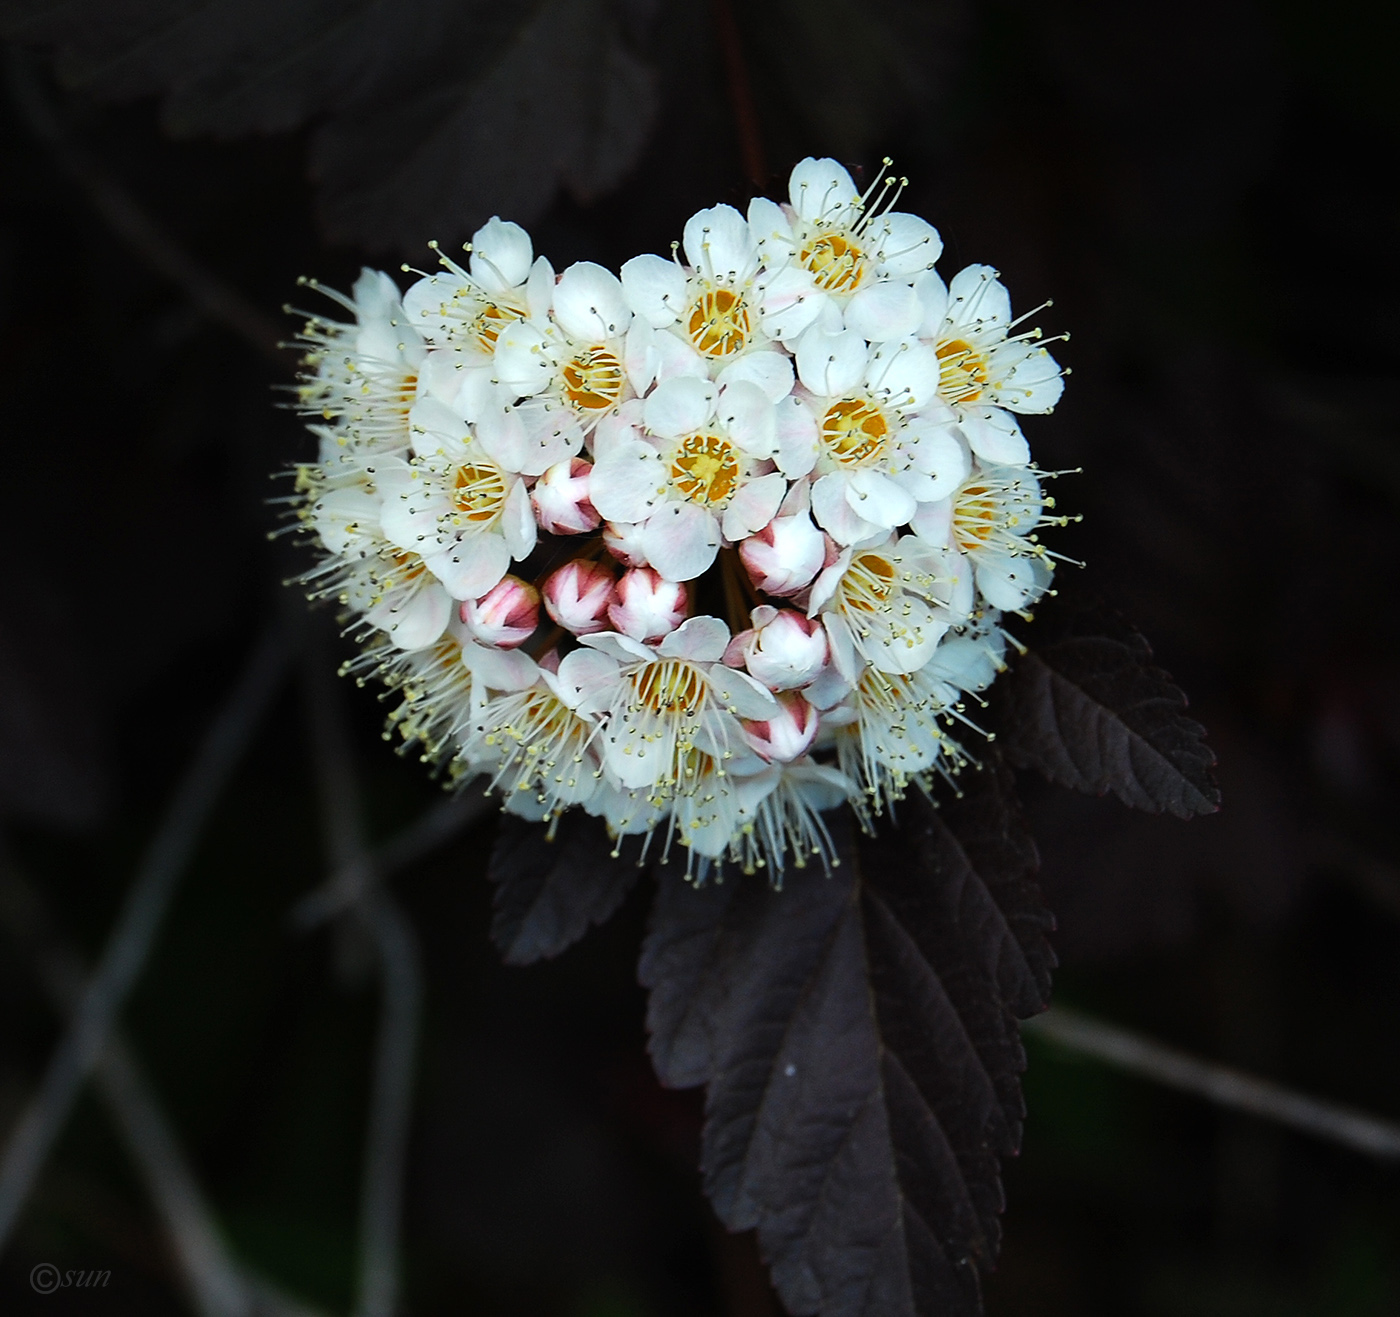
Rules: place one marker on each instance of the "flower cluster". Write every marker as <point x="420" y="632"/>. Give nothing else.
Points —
<point x="704" y="547"/>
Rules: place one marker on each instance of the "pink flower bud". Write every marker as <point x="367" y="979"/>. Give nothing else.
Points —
<point x="623" y="541"/>
<point x="788" y="734"/>
<point x="784" y="650"/>
<point x="783" y="558"/>
<point x="578" y="594"/>
<point x="648" y="607"/>
<point x="561" y="501"/>
<point x="505" y="616"/>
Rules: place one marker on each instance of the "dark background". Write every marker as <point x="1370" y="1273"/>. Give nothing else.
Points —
<point x="1206" y="191"/>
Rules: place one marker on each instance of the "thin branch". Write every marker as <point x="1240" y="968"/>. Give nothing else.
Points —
<point x="216" y="1285"/>
<point x="741" y="99"/>
<point x="130" y="941"/>
<point x="128" y="219"/>
<point x="391" y="1097"/>
<point x="1221" y="1084"/>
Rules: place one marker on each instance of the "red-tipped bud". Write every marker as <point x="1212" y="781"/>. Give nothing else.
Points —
<point x="784" y="557"/>
<point x="561" y="501"/>
<point x="505" y="616"/>
<point x="648" y="607"/>
<point x="577" y="596"/>
<point x="783" y="650"/>
<point x="786" y="735"/>
<point x="623" y="541"/>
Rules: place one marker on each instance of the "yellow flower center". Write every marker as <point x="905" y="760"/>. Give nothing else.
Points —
<point x="705" y="469"/>
<point x="854" y="431"/>
<point x="490" y="321"/>
<point x="719" y="323"/>
<point x="669" y="686"/>
<point x="835" y="261"/>
<point x="868" y="583"/>
<point x="593" y="380"/>
<point x="479" y="492"/>
<point x="975" y="517"/>
<point x="963" y="371"/>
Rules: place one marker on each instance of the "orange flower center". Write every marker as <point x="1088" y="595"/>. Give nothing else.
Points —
<point x="963" y="371"/>
<point x="854" y="431"/>
<point x="835" y="261"/>
<point x="593" y="380"/>
<point x="719" y="323"/>
<point x="705" y="469"/>
<point x="479" y="492"/>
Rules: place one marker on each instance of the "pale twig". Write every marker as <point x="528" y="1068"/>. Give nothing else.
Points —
<point x="131" y="939"/>
<point x="391" y="1097"/>
<point x="128" y="219"/>
<point x="433" y="828"/>
<point x="1232" y="1088"/>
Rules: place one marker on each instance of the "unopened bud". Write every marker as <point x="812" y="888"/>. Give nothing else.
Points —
<point x="784" y="557"/>
<point x="506" y="616"/>
<point x="624" y="542"/>
<point x="648" y="607"/>
<point x="577" y="596"/>
<point x="561" y="501"/>
<point x="784" y="650"/>
<point x="786" y="735"/>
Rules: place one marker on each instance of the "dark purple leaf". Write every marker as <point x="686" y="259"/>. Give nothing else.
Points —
<point x="1088" y="709"/>
<point x="550" y="892"/>
<point x="858" y="1036"/>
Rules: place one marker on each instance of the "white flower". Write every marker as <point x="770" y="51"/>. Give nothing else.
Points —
<point x="535" y="744"/>
<point x="690" y="470"/>
<point x="463" y="508"/>
<point x="435" y="687"/>
<point x="657" y="705"/>
<point x="785" y="556"/>
<point x="890" y="604"/>
<point x="787" y="819"/>
<point x="991" y="520"/>
<point x="363" y="376"/>
<point x="575" y="359"/>
<point x="712" y="307"/>
<point x="837" y="256"/>
<point x="884" y="445"/>
<point x="986" y="370"/>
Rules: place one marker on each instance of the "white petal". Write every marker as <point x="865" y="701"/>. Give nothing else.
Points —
<point x="501" y="432"/>
<point x="501" y="255"/>
<point x="1009" y="583"/>
<point x="879" y="499"/>
<point x="500" y="669"/>
<point x="978" y="300"/>
<point x="518" y="522"/>
<point x="843" y="648"/>
<point x="539" y="289"/>
<point x="796" y="438"/>
<point x="743" y="695"/>
<point x="655" y="289"/>
<point x="995" y="436"/>
<point x="831" y="365"/>
<point x="884" y="310"/>
<point x="522" y="359"/>
<point x="589" y="303"/>
<point x="418" y="620"/>
<point x="702" y="638"/>
<point x="906" y="373"/>
<point x="471" y="566"/>
<point x="746" y="413"/>
<point x="939" y="455"/>
<point x="619" y="647"/>
<point x="904" y="243"/>
<point x="820" y="188"/>
<point x="552" y="433"/>
<point x="770" y="228"/>
<point x="790" y="303"/>
<point x="825" y="584"/>
<point x="754" y="506"/>
<point x="583" y="671"/>
<point x="679" y="406"/>
<point x="719" y="245"/>
<point x="933" y="299"/>
<point x="832" y="511"/>
<point x="435" y="427"/>
<point x="1031" y="384"/>
<point x="771" y="371"/>
<point x="933" y="522"/>
<point x="627" y="485"/>
<point x="621" y="425"/>
<point x="680" y="540"/>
